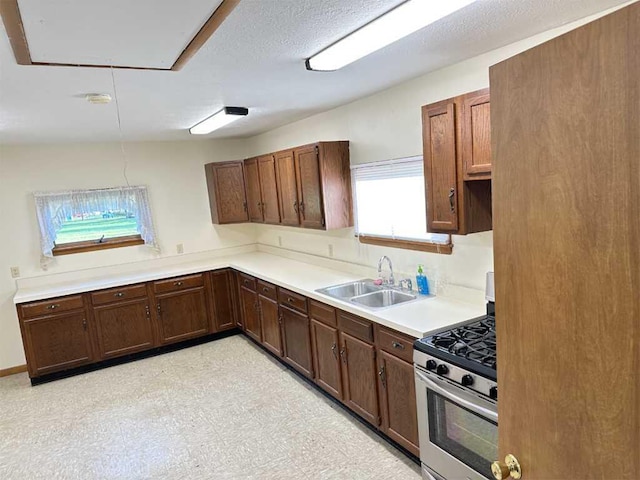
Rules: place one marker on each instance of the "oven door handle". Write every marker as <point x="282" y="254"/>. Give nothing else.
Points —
<point x="485" y="412"/>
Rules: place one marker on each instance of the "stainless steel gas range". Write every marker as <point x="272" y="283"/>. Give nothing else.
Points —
<point x="457" y="398"/>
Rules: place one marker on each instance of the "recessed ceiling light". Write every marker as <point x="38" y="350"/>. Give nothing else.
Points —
<point x="98" y="98"/>
<point x="218" y="120"/>
<point x="403" y="20"/>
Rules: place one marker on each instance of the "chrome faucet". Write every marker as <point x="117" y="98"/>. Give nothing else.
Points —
<point x="391" y="280"/>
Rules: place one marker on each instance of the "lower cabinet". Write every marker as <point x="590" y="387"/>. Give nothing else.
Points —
<point x="397" y="391"/>
<point x="182" y="315"/>
<point x="271" y="337"/>
<point x="56" y="342"/>
<point x="123" y="328"/>
<point x="296" y="340"/>
<point x="223" y="315"/>
<point x="326" y="358"/>
<point x="250" y="313"/>
<point x="359" y="377"/>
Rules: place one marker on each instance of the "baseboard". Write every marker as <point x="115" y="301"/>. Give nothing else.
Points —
<point x="5" y="372"/>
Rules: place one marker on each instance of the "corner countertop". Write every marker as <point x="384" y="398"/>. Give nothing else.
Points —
<point x="417" y="319"/>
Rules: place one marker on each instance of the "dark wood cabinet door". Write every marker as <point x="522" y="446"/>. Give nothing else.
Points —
<point x="57" y="343"/>
<point x="250" y="313"/>
<point x="439" y="145"/>
<point x="222" y="295"/>
<point x="254" y="195"/>
<point x="359" y="377"/>
<point x="326" y="358"/>
<point x="296" y="340"/>
<point x="271" y="338"/>
<point x="309" y="187"/>
<point x="227" y="198"/>
<point x="287" y="188"/>
<point x="476" y="135"/>
<point x="270" y="206"/>
<point x="182" y="315"/>
<point x="396" y="386"/>
<point x="123" y="328"/>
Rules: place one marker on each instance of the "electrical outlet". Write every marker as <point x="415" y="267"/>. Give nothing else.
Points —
<point x="330" y="250"/>
<point x="279" y="241"/>
<point x="15" y="272"/>
<point x="180" y="248"/>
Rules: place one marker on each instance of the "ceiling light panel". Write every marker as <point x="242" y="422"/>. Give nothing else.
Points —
<point x="403" y="20"/>
<point x="218" y="120"/>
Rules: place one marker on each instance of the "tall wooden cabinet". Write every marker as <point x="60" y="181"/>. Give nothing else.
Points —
<point x="457" y="164"/>
<point x="565" y="125"/>
<point x="227" y="197"/>
<point x="307" y="186"/>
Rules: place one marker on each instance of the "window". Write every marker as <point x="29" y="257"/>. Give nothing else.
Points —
<point x="390" y="206"/>
<point x="85" y="220"/>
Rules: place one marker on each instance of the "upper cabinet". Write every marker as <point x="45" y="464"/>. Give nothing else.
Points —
<point x="307" y="186"/>
<point x="227" y="198"/>
<point x="457" y="164"/>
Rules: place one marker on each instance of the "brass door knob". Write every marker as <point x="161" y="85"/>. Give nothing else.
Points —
<point x="510" y="467"/>
<point x="500" y="470"/>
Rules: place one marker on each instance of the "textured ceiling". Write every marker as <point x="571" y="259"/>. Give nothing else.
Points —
<point x="256" y="59"/>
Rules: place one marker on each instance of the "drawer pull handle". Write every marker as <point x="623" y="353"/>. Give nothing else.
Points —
<point x="397" y="345"/>
<point x="265" y="289"/>
<point x="119" y="294"/>
<point x="53" y="307"/>
<point x="178" y="284"/>
<point x="290" y="300"/>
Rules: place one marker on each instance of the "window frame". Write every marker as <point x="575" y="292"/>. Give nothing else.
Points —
<point x="93" y="245"/>
<point x="384" y="241"/>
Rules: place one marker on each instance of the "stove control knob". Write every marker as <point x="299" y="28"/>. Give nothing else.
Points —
<point x="467" y="380"/>
<point x="493" y="393"/>
<point x="442" y="369"/>
<point x="431" y="364"/>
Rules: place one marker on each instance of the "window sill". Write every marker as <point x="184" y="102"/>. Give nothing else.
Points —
<point x="92" y="245"/>
<point x="445" y="248"/>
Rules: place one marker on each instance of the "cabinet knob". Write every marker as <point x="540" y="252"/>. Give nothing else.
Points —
<point x="119" y="294"/>
<point x="53" y="306"/>
<point x="178" y="284"/>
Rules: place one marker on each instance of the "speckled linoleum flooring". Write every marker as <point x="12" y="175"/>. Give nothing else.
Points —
<point x="222" y="410"/>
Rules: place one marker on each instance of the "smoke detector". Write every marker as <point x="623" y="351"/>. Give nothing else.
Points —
<point x="98" y="98"/>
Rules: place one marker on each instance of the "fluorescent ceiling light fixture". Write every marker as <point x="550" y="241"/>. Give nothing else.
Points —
<point x="218" y="120"/>
<point x="403" y="20"/>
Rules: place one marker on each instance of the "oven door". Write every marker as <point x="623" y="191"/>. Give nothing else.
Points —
<point x="458" y="429"/>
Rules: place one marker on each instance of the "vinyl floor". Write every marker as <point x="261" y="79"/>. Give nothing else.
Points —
<point x="221" y="410"/>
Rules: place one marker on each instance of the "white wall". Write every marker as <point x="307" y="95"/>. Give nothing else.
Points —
<point x="384" y="126"/>
<point x="174" y="173"/>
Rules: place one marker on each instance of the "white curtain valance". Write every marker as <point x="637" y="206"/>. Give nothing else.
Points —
<point x="53" y="208"/>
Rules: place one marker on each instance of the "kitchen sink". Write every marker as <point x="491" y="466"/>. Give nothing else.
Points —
<point x="383" y="298"/>
<point x="367" y="294"/>
<point x="353" y="289"/>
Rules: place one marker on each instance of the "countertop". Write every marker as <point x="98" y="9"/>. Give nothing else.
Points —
<point x="417" y="319"/>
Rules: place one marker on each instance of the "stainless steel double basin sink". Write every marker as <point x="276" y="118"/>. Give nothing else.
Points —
<point x="367" y="294"/>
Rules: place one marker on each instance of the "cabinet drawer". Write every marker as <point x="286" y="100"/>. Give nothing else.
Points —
<point x="291" y="299"/>
<point x="247" y="281"/>
<point x="54" y="305"/>
<point x="267" y="290"/>
<point x="395" y="343"/>
<point x="118" y="294"/>
<point x="356" y="326"/>
<point x="179" y="283"/>
<point x="323" y="313"/>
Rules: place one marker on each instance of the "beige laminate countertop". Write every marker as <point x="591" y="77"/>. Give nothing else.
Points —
<point x="417" y="319"/>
